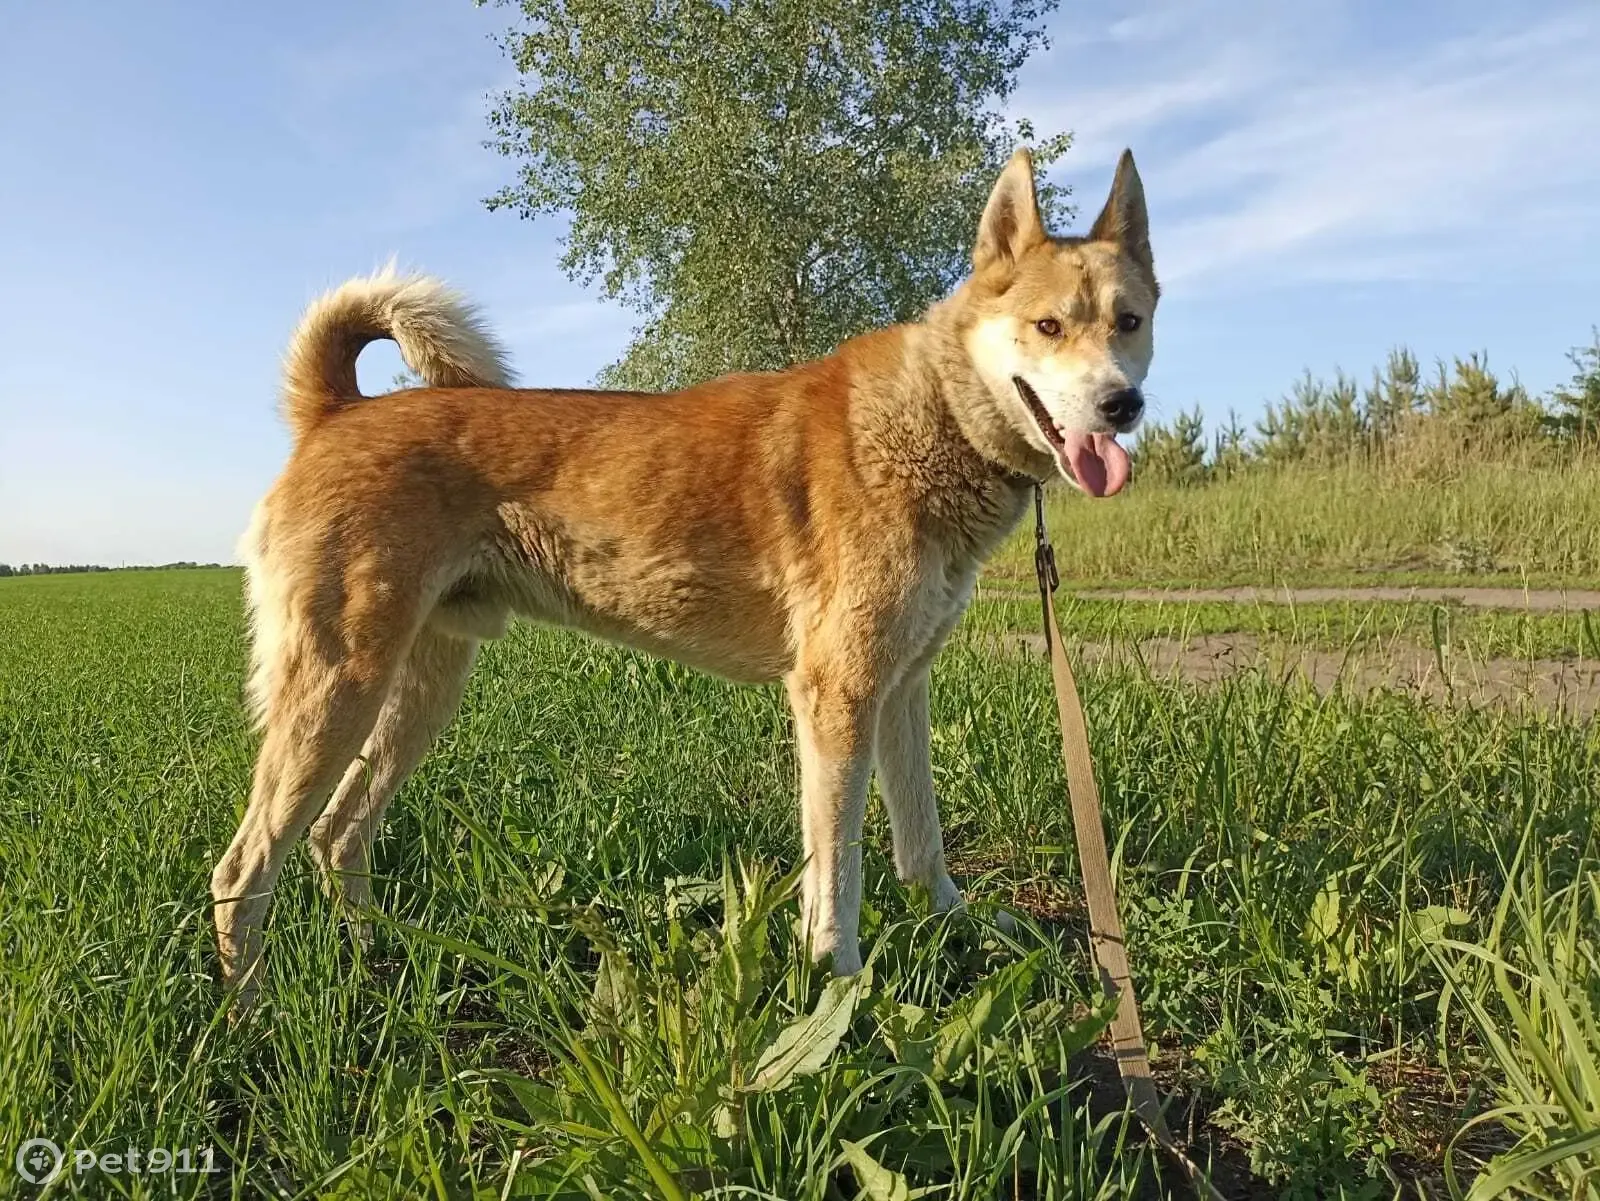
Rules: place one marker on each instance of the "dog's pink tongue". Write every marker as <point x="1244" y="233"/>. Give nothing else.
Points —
<point x="1097" y="462"/>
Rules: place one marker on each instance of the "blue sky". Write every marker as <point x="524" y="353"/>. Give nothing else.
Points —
<point x="178" y="180"/>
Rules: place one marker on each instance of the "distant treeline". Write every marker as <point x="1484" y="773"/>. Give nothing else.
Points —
<point x="69" y="568"/>
<point x="1404" y="418"/>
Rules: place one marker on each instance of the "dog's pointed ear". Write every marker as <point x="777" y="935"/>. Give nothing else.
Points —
<point x="1125" y="220"/>
<point x="1010" y="225"/>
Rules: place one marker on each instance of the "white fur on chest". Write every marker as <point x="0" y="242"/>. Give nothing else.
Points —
<point x="936" y="603"/>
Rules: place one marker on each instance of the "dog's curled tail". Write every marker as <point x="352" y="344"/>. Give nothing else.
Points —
<point x="441" y="337"/>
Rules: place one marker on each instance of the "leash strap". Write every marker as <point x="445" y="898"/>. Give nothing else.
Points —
<point x="1105" y="926"/>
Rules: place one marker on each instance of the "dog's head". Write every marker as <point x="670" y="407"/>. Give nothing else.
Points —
<point x="1059" y="329"/>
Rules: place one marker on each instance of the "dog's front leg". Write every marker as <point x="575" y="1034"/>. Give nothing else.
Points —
<point x="835" y="719"/>
<point x="905" y="774"/>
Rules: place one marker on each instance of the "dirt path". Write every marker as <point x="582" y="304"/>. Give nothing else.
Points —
<point x="1547" y="685"/>
<point x="1540" y="601"/>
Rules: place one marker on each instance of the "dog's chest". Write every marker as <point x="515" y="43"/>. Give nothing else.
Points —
<point x="939" y="598"/>
<point x="948" y="567"/>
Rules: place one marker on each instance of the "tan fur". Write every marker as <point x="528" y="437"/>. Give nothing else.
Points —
<point x="822" y="525"/>
<point x="439" y="334"/>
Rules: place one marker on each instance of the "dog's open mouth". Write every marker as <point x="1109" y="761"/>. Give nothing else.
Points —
<point x="1095" y="463"/>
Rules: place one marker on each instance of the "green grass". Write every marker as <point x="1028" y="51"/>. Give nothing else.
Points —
<point x="1455" y="630"/>
<point x="578" y="990"/>
<point x="1513" y="522"/>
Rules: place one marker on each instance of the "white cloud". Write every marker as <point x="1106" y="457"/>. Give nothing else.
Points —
<point x="1105" y="120"/>
<point x="1281" y="146"/>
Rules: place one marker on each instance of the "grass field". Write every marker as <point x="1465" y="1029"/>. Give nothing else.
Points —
<point x="1366" y="931"/>
<point x="1453" y="629"/>
<point x="1518" y="518"/>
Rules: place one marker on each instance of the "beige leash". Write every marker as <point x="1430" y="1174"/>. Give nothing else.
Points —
<point x="1105" y="926"/>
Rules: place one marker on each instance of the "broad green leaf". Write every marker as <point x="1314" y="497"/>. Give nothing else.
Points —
<point x="544" y="1106"/>
<point x="805" y="1044"/>
<point x="877" y="1182"/>
<point x="905" y="1032"/>
<point x="615" y="1003"/>
<point x="746" y="952"/>
<point x="994" y="1002"/>
<point x="1322" y="925"/>
<point x="1431" y="922"/>
<point x="683" y="1146"/>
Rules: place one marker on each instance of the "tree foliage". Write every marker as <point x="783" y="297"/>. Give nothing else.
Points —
<point x="1417" y="424"/>
<point x="761" y="180"/>
<point x="1230" y="449"/>
<point x="1317" y="420"/>
<point x="1394" y="397"/>
<point x="1577" y="405"/>
<point x="1173" y="454"/>
<point x="1473" y="400"/>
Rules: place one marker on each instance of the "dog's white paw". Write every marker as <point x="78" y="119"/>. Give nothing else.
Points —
<point x="243" y="993"/>
<point x="943" y="895"/>
<point x="847" y="959"/>
<point x="841" y="954"/>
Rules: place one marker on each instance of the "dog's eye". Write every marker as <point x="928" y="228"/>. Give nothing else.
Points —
<point x="1049" y="327"/>
<point x="1128" y="322"/>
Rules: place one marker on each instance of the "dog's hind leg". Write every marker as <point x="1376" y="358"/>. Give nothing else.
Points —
<point x="420" y="704"/>
<point x="323" y="706"/>
<point x="905" y="775"/>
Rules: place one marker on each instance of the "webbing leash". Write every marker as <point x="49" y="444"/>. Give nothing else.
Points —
<point x="1105" y="926"/>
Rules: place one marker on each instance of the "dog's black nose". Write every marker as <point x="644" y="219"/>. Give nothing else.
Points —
<point x="1123" y="407"/>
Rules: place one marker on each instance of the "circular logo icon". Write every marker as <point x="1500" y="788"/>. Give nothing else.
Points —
<point x="38" y="1161"/>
